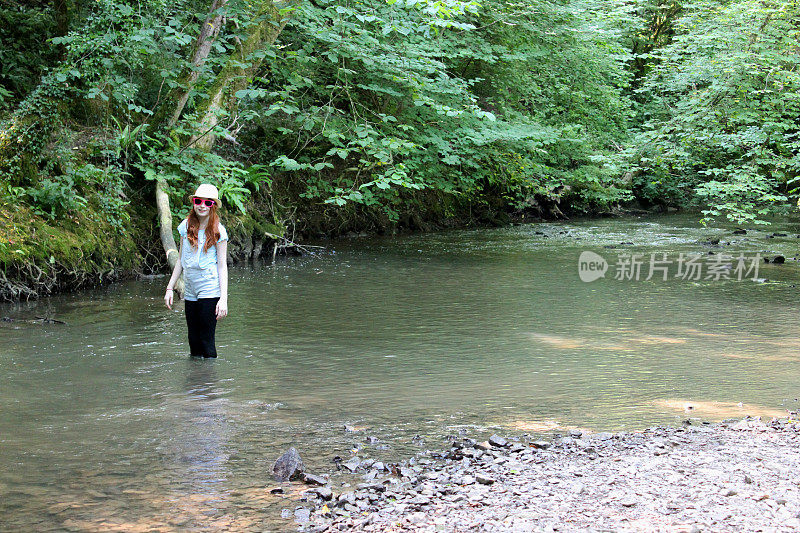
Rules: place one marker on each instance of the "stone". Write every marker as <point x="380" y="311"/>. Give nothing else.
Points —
<point x="420" y="500"/>
<point x="377" y="487"/>
<point x="541" y="444"/>
<point x="628" y="502"/>
<point x="379" y="466"/>
<point x="415" y="518"/>
<point x="276" y="490"/>
<point x="484" y="479"/>
<point x="311" y="479"/>
<point x="289" y="466"/>
<point x="346" y="498"/>
<point x="498" y="441"/>
<point x="352" y="465"/>
<point x="302" y="515"/>
<point x="482" y="445"/>
<point x="324" y="493"/>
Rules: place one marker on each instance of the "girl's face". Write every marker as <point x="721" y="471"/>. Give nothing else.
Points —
<point x="202" y="206"/>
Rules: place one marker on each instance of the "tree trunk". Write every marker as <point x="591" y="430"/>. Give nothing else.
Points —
<point x="165" y="222"/>
<point x="170" y="112"/>
<point x="233" y="77"/>
<point x="173" y="107"/>
<point x="61" y="15"/>
<point x="237" y="73"/>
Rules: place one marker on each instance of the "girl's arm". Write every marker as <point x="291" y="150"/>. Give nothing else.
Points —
<point x="222" y="270"/>
<point x="176" y="273"/>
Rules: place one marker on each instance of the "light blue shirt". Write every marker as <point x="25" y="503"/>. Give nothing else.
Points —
<point x="200" y="267"/>
<point x="198" y="258"/>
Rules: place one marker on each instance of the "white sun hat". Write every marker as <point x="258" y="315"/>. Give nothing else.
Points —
<point x="206" y="190"/>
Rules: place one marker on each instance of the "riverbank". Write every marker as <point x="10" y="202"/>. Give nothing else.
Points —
<point x="42" y="256"/>
<point x="732" y="476"/>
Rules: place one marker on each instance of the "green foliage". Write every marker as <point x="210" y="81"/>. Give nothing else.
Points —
<point x="401" y="109"/>
<point x="363" y="106"/>
<point x="22" y="56"/>
<point x="721" y="108"/>
<point x="55" y="197"/>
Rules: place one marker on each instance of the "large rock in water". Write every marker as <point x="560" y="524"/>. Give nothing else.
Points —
<point x="289" y="466"/>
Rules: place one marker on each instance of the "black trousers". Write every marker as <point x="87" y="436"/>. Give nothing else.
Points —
<point x="201" y="319"/>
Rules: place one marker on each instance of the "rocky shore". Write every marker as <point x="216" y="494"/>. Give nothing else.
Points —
<point x="738" y="475"/>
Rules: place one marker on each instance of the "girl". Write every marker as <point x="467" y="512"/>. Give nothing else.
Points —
<point x="204" y="253"/>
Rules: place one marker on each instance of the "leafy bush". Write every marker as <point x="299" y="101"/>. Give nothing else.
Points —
<point x="721" y="106"/>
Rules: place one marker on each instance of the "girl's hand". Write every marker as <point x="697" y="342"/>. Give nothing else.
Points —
<point x="222" y="308"/>
<point x="168" y="299"/>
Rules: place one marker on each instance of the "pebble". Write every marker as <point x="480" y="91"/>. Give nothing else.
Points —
<point x="496" y="440"/>
<point x="352" y="465"/>
<point x="301" y="515"/>
<point x="311" y="479"/>
<point x="484" y="479"/>
<point x="325" y="493"/>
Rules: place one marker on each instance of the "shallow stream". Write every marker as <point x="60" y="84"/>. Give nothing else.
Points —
<point x="106" y="423"/>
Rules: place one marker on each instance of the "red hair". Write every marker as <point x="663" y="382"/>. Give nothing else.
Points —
<point x="212" y="228"/>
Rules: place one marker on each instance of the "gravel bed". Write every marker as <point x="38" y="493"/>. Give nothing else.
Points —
<point x="741" y="475"/>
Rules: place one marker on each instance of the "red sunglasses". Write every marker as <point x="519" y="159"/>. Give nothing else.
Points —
<point x="200" y="201"/>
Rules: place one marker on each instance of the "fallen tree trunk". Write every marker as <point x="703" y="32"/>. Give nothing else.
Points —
<point x="165" y="229"/>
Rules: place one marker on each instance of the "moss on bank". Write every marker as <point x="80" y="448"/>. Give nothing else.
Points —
<point x="39" y="257"/>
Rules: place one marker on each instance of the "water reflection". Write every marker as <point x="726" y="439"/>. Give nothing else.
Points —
<point x="195" y="444"/>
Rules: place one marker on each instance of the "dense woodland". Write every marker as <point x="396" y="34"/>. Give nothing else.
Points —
<point x="317" y="118"/>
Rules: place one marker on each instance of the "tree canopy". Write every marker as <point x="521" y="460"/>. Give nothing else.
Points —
<point x="328" y="116"/>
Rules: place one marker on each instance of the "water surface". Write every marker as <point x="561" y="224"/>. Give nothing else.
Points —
<point x="106" y="423"/>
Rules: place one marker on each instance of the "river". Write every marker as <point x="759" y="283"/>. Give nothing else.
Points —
<point x="106" y="423"/>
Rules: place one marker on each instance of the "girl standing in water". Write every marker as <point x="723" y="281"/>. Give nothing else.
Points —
<point x="203" y="259"/>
